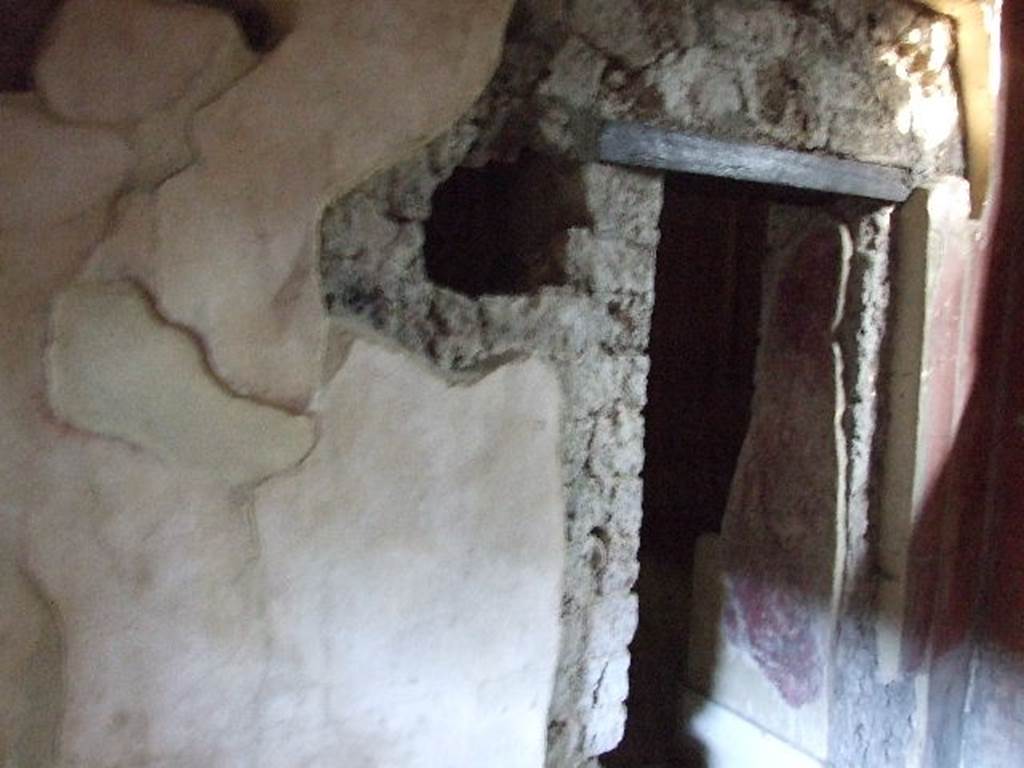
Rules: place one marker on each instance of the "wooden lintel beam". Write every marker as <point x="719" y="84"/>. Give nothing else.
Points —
<point x="648" y="147"/>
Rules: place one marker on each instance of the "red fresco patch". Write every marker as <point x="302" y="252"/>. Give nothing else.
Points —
<point x="774" y="625"/>
<point x="778" y="532"/>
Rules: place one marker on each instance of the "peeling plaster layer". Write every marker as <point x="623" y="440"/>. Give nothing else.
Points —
<point x="164" y="277"/>
<point x="117" y="369"/>
<point x="333" y="611"/>
<point x="187" y="624"/>
<point x="234" y="176"/>
<point x="414" y="567"/>
<point x="783" y="532"/>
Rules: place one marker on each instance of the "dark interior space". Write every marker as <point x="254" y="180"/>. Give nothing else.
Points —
<point x="498" y="229"/>
<point x="261" y="27"/>
<point x="22" y="23"/>
<point x="703" y="346"/>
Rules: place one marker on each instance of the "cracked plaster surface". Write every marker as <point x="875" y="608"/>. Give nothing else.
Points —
<point x="241" y="217"/>
<point x="116" y="369"/>
<point x="225" y="543"/>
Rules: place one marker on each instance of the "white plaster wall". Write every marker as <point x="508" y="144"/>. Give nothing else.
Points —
<point x="230" y="533"/>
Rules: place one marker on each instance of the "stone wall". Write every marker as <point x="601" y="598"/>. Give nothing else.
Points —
<point x="834" y="77"/>
<point x="869" y="80"/>
<point x="594" y="331"/>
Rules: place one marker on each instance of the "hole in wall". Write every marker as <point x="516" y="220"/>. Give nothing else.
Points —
<point x="703" y="345"/>
<point x="501" y="229"/>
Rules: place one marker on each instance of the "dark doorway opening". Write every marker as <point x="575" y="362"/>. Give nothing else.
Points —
<point x="704" y="338"/>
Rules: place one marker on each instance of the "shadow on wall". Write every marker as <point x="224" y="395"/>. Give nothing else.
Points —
<point x="23" y="24"/>
<point x="264" y="24"/>
<point x="969" y="630"/>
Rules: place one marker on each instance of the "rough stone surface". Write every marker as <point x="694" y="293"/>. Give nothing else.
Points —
<point x="870" y="80"/>
<point x="994" y="716"/>
<point x="594" y="331"/>
<point x="872" y="720"/>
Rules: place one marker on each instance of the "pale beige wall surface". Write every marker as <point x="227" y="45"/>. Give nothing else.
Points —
<point x="217" y="549"/>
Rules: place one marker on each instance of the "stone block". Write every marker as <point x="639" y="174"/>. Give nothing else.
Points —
<point x="607" y="684"/>
<point x="612" y="621"/>
<point x="609" y="265"/>
<point x="617" y="28"/>
<point x="624" y="203"/>
<point x="575" y="76"/>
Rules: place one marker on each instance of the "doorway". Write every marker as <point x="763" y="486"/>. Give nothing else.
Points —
<point x="703" y="347"/>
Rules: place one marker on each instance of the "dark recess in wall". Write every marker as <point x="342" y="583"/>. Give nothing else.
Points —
<point x="262" y="31"/>
<point x="22" y="23"/>
<point x="501" y="229"/>
<point x="704" y="339"/>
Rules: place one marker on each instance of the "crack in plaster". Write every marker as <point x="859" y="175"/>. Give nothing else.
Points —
<point x="116" y="368"/>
